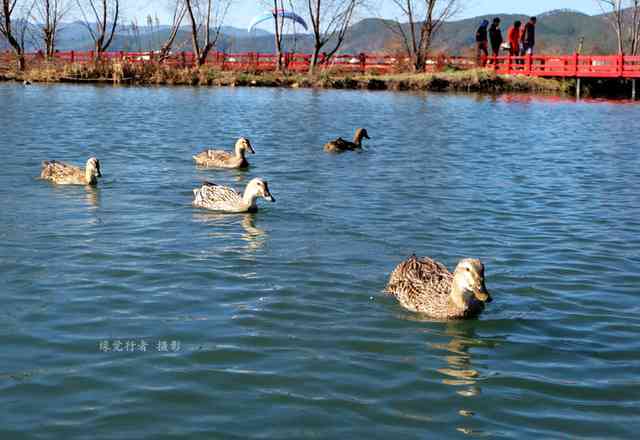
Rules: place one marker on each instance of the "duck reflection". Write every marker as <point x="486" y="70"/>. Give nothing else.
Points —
<point x="92" y="196"/>
<point x="459" y="370"/>
<point x="253" y="236"/>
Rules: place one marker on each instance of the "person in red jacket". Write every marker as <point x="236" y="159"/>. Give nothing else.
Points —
<point x="513" y="36"/>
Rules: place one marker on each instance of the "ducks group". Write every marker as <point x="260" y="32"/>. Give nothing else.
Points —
<point x="420" y="285"/>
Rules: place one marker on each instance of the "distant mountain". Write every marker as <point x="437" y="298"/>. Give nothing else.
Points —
<point x="558" y="31"/>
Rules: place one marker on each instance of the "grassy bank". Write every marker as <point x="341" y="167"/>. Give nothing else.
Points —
<point x="478" y="80"/>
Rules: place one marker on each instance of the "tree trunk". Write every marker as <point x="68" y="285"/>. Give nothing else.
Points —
<point x="21" y="64"/>
<point x="419" y="61"/>
<point x="314" y="60"/>
<point x="278" y="49"/>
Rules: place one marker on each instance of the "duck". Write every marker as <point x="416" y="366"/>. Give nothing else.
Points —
<point x="340" y="145"/>
<point x="426" y="286"/>
<point x="224" y="199"/>
<point x="65" y="174"/>
<point x="226" y="159"/>
<point x="26" y="82"/>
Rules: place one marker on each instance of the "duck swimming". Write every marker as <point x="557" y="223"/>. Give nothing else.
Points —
<point x="225" y="159"/>
<point x="340" y="145"/>
<point x="65" y="174"/>
<point x="224" y="199"/>
<point x="426" y="286"/>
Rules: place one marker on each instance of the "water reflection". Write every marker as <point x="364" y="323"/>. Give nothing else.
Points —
<point x="88" y="194"/>
<point x="253" y="236"/>
<point x="459" y="370"/>
<point x="239" y="175"/>
<point x="92" y="196"/>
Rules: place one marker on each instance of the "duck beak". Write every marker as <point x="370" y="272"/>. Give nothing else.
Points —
<point x="99" y="173"/>
<point x="482" y="294"/>
<point x="269" y="197"/>
<point x="251" y="149"/>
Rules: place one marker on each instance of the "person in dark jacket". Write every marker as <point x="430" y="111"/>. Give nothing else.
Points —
<point x="528" y="37"/>
<point x="482" y="43"/>
<point x="495" y="37"/>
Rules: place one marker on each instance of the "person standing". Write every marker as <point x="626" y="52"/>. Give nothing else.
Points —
<point x="495" y="37"/>
<point x="528" y="37"/>
<point x="514" y="38"/>
<point x="482" y="43"/>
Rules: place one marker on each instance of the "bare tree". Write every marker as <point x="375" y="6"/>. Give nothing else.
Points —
<point x="203" y="14"/>
<point x="13" y="27"/>
<point x="179" y="11"/>
<point x="278" y="5"/>
<point x="614" y="12"/>
<point x="634" y="28"/>
<point x="48" y="14"/>
<point x="330" y="20"/>
<point x="624" y="17"/>
<point x="425" y="18"/>
<point x="106" y="14"/>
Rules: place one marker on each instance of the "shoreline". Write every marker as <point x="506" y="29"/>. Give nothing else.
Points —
<point x="484" y="81"/>
<point x="473" y="81"/>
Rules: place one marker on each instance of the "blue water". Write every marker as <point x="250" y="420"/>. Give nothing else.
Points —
<point x="126" y="313"/>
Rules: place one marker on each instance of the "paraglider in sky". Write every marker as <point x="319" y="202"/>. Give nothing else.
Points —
<point x="280" y="13"/>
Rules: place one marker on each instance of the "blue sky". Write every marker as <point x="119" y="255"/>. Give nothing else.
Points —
<point x="243" y="10"/>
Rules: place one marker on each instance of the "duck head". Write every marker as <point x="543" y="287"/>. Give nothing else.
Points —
<point x="243" y="145"/>
<point x="361" y="133"/>
<point x="468" y="282"/>
<point x="92" y="170"/>
<point x="258" y="188"/>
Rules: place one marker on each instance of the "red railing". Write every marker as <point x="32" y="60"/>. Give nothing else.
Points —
<point x="574" y="66"/>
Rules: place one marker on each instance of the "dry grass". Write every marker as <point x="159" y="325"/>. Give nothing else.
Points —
<point x="476" y="80"/>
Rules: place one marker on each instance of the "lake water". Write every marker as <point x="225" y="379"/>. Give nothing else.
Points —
<point x="126" y="313"/>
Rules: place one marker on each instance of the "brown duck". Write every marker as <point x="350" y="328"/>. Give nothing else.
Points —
<point x="340" y="145"/>
<point x="426" y="286"/>
<point x="65" y="174"/>
<point x="226" y="159"/>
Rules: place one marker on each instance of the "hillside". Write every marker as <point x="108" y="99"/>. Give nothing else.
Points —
<point x="557" y="32"/>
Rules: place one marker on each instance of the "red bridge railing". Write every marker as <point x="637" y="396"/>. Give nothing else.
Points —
<point x="572" y="66"/>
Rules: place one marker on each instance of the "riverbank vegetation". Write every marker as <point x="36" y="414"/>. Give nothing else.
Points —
<point x="474" y="80"/>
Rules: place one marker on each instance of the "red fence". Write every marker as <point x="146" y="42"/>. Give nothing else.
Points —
<point x="574" y="66"/>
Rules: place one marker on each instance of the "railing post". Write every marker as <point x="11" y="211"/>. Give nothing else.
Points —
<point x="363" y="62"/>
<point x="509" y="65"/>
<point x="73" y="56"/>
<point x="529" y="63"/>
